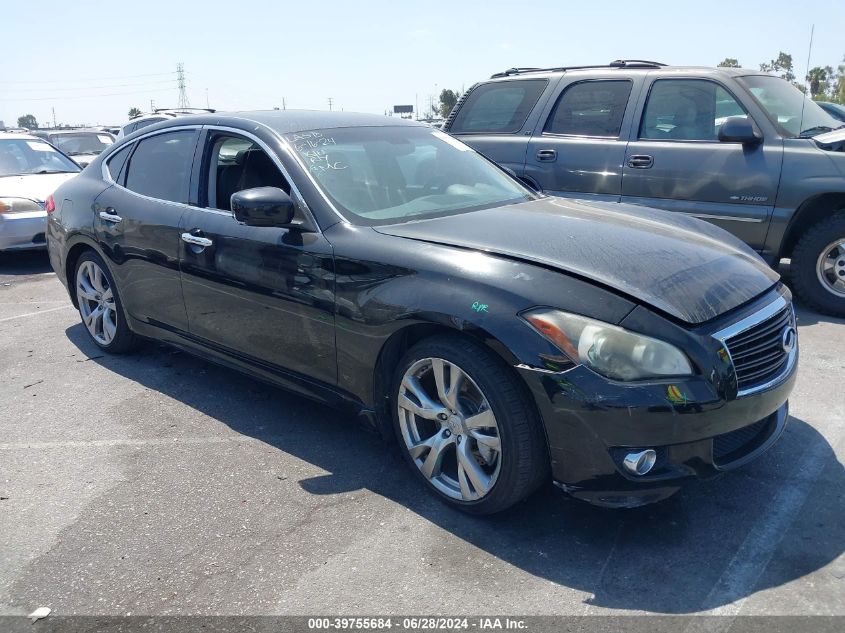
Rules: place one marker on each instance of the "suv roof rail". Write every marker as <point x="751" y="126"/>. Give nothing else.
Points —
<point x="185" y="110"/>
<point x="616" y="63"/>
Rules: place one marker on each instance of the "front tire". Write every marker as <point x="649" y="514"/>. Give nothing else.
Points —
<point x="99" y="305"/>
<point x="818" y="265"/>
<point x="466" y="426"/>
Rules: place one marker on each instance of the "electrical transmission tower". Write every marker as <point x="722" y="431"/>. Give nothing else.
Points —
<point x="183" y="94"/>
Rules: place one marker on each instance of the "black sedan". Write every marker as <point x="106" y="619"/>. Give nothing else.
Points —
<point x="503" y="337"/>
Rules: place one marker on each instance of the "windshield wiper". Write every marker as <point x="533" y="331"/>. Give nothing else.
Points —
<point x="812" y="131"/>
<point x="49" y="171"/>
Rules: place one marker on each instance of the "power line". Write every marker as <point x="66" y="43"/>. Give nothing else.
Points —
<point x="79" y="88"/>
<point x="116" y="78"/>
<point x="110" y="94"/>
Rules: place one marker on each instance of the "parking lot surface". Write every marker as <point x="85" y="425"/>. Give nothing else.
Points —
<point x="156" y="483"/>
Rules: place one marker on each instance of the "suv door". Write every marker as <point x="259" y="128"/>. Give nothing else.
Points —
<point x="261" y="293"/>
<point x="496" y="118"/>
<point x="136" y="222"/>
<point x="676" y="162"/>
<point x="579" y="145"/>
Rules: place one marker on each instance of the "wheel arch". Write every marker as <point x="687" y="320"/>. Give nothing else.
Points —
<point x="73" y="254"/>
<point x="402" y="340"/>
<point x="811" y="211"/>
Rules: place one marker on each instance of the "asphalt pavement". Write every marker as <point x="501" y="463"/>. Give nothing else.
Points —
<point x="157" y="483"/>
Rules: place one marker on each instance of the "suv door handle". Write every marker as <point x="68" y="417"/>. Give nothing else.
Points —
<point x="640" y="161"/>
<point x="196" y="240"/>
<point x="546" y="155"/>
<point x="110" y="217"/>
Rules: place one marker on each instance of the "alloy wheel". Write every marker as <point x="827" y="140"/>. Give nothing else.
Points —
<point x="96" y="302"/>
<point x="449" y="429"/>
<point x="830" y="268"/>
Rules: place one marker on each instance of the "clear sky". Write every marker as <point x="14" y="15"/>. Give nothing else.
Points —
<point x="92" y="60"/>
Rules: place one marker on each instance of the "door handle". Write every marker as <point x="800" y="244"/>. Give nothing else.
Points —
<point x="110" y="217"/>
<point x="196" y="240"/>
<point x="546" y="155"/>
<point x="640" y="161"/>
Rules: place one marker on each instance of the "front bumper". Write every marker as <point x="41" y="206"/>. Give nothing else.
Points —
<point x="22" y="231"/>
<point x="696" y="428"/>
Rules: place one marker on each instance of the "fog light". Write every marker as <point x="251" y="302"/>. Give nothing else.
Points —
<point x="640" y="462"/>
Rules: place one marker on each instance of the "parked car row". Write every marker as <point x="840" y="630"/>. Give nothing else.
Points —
<point x="502" y="336"/>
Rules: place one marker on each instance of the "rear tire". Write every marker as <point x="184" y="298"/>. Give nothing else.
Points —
<point x="480" y="449"/>
<point x="99" y="305"/>
<point x="818" y="265"/>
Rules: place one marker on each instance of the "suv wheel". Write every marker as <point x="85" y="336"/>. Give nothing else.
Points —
<point x="467" y="429"/>
<point x="818" y="264"/>
<point x="100" y="306"/>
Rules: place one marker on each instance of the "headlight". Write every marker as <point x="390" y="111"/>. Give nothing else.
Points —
<point x="608" y="349"/>
<point x="18" y="205"/>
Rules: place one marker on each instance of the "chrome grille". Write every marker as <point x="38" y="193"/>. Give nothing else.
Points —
<point x="757" y="351"/>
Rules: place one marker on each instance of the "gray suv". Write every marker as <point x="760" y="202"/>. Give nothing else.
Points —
<point x="743" y="150"/>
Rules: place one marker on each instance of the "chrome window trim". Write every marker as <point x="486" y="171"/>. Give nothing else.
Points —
<point x="107" y="176"/>
<point x="747" y="323"/>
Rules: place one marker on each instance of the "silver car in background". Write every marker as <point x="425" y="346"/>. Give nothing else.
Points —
<point x="81" y="145"/>
<point x="30" y="171"/>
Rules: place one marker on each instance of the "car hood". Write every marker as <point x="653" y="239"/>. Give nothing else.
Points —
<point x="83" y="159"/>
<point x="685" y="267"/>
<point x="33" y="186"/>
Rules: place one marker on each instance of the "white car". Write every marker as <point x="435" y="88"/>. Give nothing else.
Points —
<point x="30" y="171"/>
<point x="82" y="146"/>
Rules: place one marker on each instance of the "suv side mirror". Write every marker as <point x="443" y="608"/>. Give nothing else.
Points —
<point x="739" y="129"/>
<point x="264" y="206"/>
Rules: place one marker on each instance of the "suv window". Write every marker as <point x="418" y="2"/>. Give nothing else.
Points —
<point x="161" y="166"/>
<point x="687" y="109"/>
<point x="498" y="107"/>
<point x="590" y="108"/>
<point x="236" y="163"/>
<point x="116" y="162"/>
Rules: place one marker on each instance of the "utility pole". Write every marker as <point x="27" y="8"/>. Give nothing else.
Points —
<point x="180" y="78"/>
<point x="330" y="104"/>
<point x="152" y="106"/>
<point x="284" y="107"/>
<point x="208" y="107"/>
<point x="54" y="117"/>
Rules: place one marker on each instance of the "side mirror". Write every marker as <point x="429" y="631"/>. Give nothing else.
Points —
<point x="739" y="129"/>
<point x="263" y="206"/>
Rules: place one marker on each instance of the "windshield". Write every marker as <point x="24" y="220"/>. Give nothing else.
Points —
<point x="82" y="142"/>
<point x="29" y="156"/>
<point x="381" y="175"/>
<point x="783" y="104"/>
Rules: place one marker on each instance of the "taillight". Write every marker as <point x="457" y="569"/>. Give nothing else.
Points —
<point x="50" y="205"/>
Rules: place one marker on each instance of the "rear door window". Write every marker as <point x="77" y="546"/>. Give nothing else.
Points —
<point x="161" y="166"/>
<point x="590" y="108"/>
<point x="499" y="107"/>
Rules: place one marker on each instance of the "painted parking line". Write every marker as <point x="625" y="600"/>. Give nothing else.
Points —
<point x="163" y="441"/>
<point x="735" y="585"/>
<point x="29" y="314"/>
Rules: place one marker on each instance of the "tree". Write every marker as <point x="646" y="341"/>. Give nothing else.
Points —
<point x="448" y="99"/>
<point x="817" y="79"/>
<point x="837" y="90"/>
<point x="28" y="121"/>
<point x="782" y="65"/>
<point x="134" y="112"/>
<point x="729" y="62"/>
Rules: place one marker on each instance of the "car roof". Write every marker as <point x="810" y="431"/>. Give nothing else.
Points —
<point x="19" y="135"/>
<point x="75" y="131"/>
<point x="287" y="121"/>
